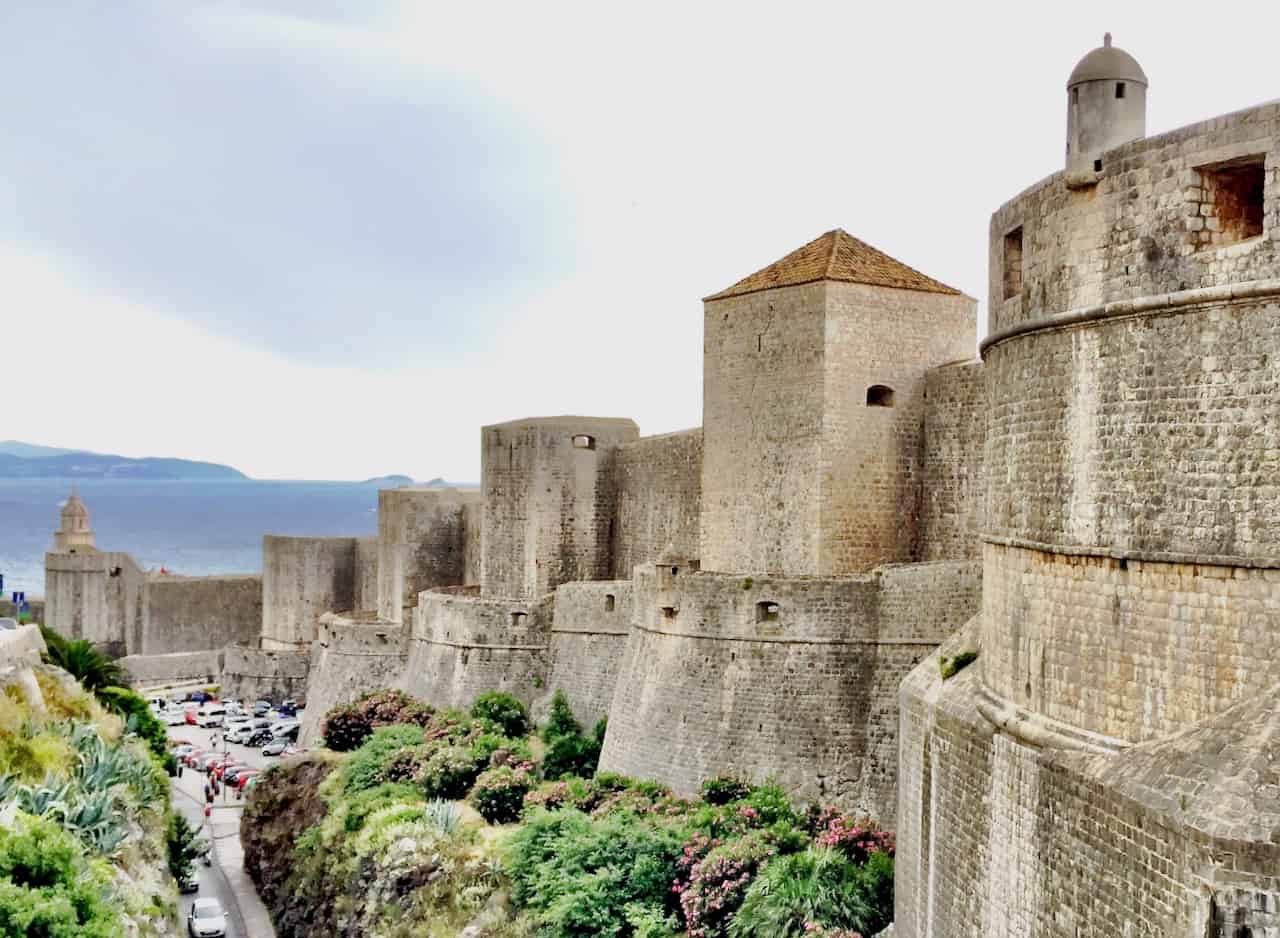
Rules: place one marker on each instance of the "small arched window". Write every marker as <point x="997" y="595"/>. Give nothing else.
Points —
<point x="879" y="395"/>
<point x="767" y="612"/>
<point x="584" y="441"/>
<point x="610" y="602"/>
<point x="519" y="619"/>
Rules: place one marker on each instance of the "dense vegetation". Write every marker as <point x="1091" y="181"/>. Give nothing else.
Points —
<point x="552" y="847"/>
<point x="82" y="828"/>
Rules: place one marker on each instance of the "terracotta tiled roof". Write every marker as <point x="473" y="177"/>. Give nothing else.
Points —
<point x="836" y="255"/>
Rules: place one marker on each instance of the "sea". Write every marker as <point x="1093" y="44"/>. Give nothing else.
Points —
<point x="193" y="528"/>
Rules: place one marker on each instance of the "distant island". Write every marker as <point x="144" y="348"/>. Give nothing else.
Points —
<point x="398" y="481"/>
<point x="20" y="460"/>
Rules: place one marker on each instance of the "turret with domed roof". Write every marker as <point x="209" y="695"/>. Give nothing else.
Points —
<point x="74" y="535"/>
<point x="1106" y="106"/>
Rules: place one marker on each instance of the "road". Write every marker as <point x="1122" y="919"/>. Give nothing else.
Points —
<point x="226" y="880"/>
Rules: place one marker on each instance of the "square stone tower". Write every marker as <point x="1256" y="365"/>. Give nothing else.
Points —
<point x="813" y="393"/>
<point x="548" y="512"/>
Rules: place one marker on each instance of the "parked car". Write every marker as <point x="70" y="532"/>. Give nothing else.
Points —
<point x="181" y="750"/>
<point x="259" y="738"/>
<point x="240" y="734"/>
<point x="276" y="747"/>
<point x="189" y="883"/>
<point x="172" y="717"/>
<point x="211" y="717"/>
<point x="193" y="756"/>
<point x="232" y="774"/>
<point x="261" y="708"/>
<point x="206" y="919"/>
<point x="189" y="716"/>
<point x="285" y="727"/>
<point x="200" y="696"/>
<point x="289" y="708"/>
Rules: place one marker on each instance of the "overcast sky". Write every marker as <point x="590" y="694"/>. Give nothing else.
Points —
<point x="320" y="239"/>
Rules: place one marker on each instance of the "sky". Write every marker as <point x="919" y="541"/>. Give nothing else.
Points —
<point x="331" y="240"/>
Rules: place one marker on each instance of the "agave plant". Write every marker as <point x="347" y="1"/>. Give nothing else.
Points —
<point x="45" y="799"/>
<point x="443" y="814"/>
<point x="9" y="786"/>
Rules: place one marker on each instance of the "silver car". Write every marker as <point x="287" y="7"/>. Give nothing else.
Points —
<point x="207" y="920"/>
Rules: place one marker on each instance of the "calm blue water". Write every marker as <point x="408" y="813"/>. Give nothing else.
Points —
<point x="189" y="527"/>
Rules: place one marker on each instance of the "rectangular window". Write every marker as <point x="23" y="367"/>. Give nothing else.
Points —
<point x="1231" y="202"/>
<point x="1013" y="263"/>
<point x="1119" y="89"/>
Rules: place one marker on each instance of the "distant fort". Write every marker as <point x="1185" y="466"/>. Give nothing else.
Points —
<point x="1092" y="509"/>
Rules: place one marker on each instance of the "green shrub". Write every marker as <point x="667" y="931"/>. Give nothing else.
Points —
<point x="570" y="755"/>
<point x="818" y="886"/>
<point x="347" y="726"/>
<point x="499" y="793"/>
<point x="724" y="789"/>
<point x="140" y="721"/>
<point x="449" y="772"/>
<point x="367" y="766"/>
<point x="579" y="876"/>
<point x="560" y="719"/>
<point x="773" y="806"/>
<point x="507" y="750"/>
<point x="48" y="889"/>
<point x="184" y="846"/>
<point x="950" y="667"/>
<point x="356" y="810"/>
<point x="507" y="713"/>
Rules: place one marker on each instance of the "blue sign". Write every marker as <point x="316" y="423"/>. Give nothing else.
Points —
<point x="19" y="598"/>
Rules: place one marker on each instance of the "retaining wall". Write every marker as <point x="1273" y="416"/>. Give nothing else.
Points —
<point x="251" y="673"/>
<point x="174" y="668"/>
<point x="658" y="486"/>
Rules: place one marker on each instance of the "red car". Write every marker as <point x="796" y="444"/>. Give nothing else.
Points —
<point x="190" y="717"/>
<point x="220" y="768"/>
<point x="191" y="757"/>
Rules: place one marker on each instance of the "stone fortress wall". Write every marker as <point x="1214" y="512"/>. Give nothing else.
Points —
<point x="1108" y="759"/>
<point x="794" y="677"/>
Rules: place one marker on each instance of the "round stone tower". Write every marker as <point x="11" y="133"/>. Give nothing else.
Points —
<point x="1106" y="106"/>
<point x="74" y="533"/>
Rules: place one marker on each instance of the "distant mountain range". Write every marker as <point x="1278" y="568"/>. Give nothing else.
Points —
<point x="28" y="461"/>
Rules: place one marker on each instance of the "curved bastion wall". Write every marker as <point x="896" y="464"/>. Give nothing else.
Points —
<point x="588" y="642"/>
<point x="1109" y="757"/>
<point x="779" y="676"/>
<point x="462" y="645"/>
<point x="354" y="653"/>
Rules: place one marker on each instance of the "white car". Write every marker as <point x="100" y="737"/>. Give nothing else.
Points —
<point x="174" y="717"/>
<point x="207" y="920"/>
<point x="239" y="733"/>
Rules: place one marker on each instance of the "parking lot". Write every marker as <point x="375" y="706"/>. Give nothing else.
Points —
<point x="226" y="879"/>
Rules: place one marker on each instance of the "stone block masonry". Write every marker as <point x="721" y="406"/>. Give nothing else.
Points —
<point x="462" y="645"/>
<point x="587" y="645"/>
<point x="190" y="613"/>
<point x="658" y="485"/>
<point x="776" y="676"/>
<point x="422" y="544"/>
<point x="254" y="673"/>
<point x="951" y="498"/>
<point x="303" y="578"/>
<point x="548" y="502"/>
<point x="353" y="654"/>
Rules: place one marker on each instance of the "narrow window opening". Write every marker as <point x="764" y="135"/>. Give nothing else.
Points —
<point x="583" y="441"/>
<point x="1097" y="166"/>
<point x="1013" y="263"/>
<point x="518" y="619"/>
<point x="760" y="342"/>
<point x="1075" y="95"/>
<point x="1119" y="89"/>
<point x="675" y="570"/>
<point x="1231" y="203"/>
<point x="115" y="571"/>
<point x="879" y="395"/>
<point x="610" y="602"/>
<point x="766" y="612"/>
<point x="668" y="612"/>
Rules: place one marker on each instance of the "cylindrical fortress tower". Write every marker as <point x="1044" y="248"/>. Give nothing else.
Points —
<point x="1106" y="106"/>
<point x="1110" y="757"/>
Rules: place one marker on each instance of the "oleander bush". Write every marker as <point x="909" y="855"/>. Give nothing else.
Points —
<point x="346" y="726"/>
<point x="505" y="712"/>
<point x="499" y="793"/>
